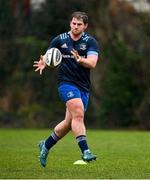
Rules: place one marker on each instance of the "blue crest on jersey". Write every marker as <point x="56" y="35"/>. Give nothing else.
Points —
<point x="83" y="46"/>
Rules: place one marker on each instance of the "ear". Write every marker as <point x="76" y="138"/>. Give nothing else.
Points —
<point x="85" y="26"/>
<point x="70" y="23"/>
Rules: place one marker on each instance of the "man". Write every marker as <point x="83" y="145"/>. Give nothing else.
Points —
<point x="80" y="54"/>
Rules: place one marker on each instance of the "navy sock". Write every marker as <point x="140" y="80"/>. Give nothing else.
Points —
<point x="51" y="140"/>
<point x="82" y="143"/>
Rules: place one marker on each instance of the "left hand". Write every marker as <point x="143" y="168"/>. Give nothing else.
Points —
<point x="76" y="55"/>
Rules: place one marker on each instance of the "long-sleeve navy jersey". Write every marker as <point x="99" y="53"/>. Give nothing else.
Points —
<point x="69" y="70"/>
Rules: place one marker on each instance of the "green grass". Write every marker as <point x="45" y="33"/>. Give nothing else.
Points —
<point x="121" y="154"/>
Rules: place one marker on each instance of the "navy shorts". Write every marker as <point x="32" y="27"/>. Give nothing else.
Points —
<point x="69" y="91"/>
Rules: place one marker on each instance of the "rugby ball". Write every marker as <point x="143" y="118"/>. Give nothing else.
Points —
<point x="53" y="57"/>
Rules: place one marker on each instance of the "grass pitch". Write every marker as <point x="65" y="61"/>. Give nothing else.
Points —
<point x="121" y="155"/>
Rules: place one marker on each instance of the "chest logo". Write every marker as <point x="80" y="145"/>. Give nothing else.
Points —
<point x="83" y="46"/>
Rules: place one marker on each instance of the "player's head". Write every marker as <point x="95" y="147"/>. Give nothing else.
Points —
<point x="78" y="22"/>
<point x="80" y="16"/>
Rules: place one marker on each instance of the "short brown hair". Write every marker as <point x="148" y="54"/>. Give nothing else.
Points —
<point x="80" y="15"/>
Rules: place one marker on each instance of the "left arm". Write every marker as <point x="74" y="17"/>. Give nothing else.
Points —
<point x="89" y="62"/>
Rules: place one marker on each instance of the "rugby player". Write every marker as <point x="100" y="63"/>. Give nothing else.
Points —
<point x="80" y="53"/>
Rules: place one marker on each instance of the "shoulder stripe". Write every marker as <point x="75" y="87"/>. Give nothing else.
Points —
<point x="92" y="53"/>
<point x="64" y="36"/>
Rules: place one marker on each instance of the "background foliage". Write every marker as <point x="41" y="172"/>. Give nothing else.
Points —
<point x="120" y="83"/>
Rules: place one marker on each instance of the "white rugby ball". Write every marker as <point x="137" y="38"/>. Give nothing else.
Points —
<point x="53" y="57"/>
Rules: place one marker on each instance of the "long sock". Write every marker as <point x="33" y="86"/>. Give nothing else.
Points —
<point x="51" y="140"/>
<point x="82" y="143"/>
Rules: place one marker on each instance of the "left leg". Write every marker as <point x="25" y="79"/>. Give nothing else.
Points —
<point x="75" y="106"/>
<point x="76" y="109"/>
<point x="76" y="102"/>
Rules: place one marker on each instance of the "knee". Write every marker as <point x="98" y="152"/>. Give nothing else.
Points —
<point x="76" y="108"/>
<point x="57" y="130"/>
<point x="79" y="114"/>
<point x="62" y="127"/>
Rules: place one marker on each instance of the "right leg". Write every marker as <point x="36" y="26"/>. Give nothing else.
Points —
<point x="64" y="126"/>
<point x="59" y="131"/>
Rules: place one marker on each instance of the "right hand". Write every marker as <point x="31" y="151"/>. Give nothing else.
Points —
<point x="40" y="65"/>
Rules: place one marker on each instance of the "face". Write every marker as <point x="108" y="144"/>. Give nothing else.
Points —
<point x="77" y="26"/>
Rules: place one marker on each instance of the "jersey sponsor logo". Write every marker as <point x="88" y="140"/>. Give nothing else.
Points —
<point x="69" y="56"/>
<point x="64" y="45"/>
<point x="83" y="46"/>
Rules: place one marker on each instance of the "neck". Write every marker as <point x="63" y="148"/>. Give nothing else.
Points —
<point x="75" y="37"/>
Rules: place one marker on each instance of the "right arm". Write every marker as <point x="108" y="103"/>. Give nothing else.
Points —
<point x="41" y="65"/>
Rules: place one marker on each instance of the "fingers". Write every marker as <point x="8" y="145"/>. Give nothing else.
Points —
<point x="72" y="53"/>
<point x="75" y="53"/>
<point x="36" y="61"/>
<point x="35" y="65"/>
<point x="41" y="57"/>
<point x="41" y="71"/>
<point x="37" y="69"/>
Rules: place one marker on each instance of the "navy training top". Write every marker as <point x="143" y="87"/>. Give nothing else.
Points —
<point x="69" y="70"/>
